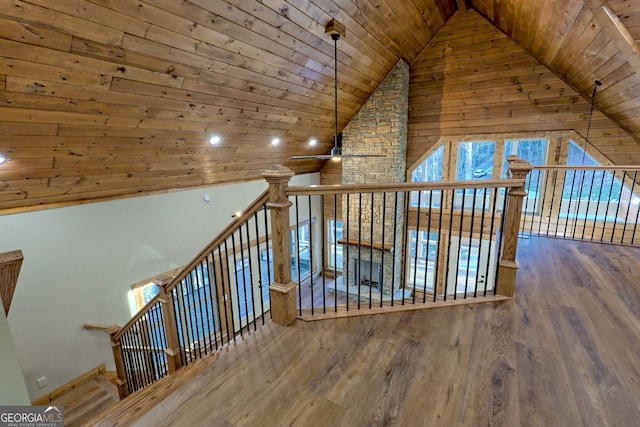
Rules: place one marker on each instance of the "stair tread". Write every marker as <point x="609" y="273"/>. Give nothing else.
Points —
<point x="87" y="400"/>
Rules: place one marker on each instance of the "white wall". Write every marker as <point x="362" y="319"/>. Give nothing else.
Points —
<point x="13" y="390"/>
<point x="80" y="262"/>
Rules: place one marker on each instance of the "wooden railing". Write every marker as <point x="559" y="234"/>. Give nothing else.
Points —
<point x="407" y="245"/>
<point x="218" y="296"/>
<point x="248" y="270"/>
<point x="593" y="203"/>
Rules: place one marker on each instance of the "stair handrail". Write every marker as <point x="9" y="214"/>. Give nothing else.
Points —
<point x="402" y="186"/>
<point x="254" y="207"/>
<point x="103" y="328"/>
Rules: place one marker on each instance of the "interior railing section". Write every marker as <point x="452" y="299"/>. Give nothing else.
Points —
<point x="591" y="203"/>
<point x="399" y="244"/>
<point x="222" y="294"/>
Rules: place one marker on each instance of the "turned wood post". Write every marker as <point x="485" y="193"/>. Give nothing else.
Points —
<point x="508" y="266"/>
<point x="170" y="327"/>
<point x="282" y="291"/>
<point x="118" y="357"/>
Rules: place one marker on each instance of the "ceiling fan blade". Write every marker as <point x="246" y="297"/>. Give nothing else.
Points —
<point x="318" y="157"/>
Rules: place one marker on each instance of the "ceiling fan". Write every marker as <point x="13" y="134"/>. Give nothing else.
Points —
<point x="335" y="29"/>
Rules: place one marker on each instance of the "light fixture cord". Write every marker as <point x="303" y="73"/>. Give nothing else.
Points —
<point x="335" y="38"/>
<point x="584" y="155"/>
<point x="593" y="101"/>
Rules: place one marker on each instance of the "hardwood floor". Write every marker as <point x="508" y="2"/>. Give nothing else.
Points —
<point x="85" y="401"/>
<point x="564" y="352"/>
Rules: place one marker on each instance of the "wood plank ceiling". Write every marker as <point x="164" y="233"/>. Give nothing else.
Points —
<point x="113" y="98"/>
<point x="581" y="41"/>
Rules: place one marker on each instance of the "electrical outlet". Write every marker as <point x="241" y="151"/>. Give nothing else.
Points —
<point x="42" y="381"/>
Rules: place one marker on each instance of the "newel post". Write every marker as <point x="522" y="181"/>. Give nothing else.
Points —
<point x="118" y="357"/>
<point x="508" y="266"/>
<point x="282" y="291"/>
<point x="171" y="328"/>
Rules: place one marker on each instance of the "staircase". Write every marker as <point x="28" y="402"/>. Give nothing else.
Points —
<point x="87" y="400"/>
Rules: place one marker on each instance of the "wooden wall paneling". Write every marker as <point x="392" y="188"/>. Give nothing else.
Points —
<point x="215" y="95"/>
<point x="34" y="34"/>
<point x="580" y="23"/>
<point x="620" y="80"/>
<point x="627" y="102"/>
<point x="27" y="12"/>
<point x="401" y="42"/>
<point x="96" y="13"/>
<point x="529" y="21"/>
<point x="21" y="76"/>
<point x="563" y="19"/>
<point x="164" y="71"/>
<point x="81" y="63"/>
<point x="331" y="174"/>
<point x="405" y="14"/>
<point x="492" y="100"/>
<point x="434" y="14"/>
<point x="516" y="30"/>
<point x="599" y="64"/>
<point x="576" y="51"/>
<point x="315" y="15"/>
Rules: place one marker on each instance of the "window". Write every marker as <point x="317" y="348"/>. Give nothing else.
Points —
<point x="535" y="152"/>
<point x="301" y="262"/>
<point x="429" y="171"/>
<point x="334" y="234"/>
<point x="592" y="195"/>
<point x="589" y="185"/>
<point x="475" y="162"/>
<point x="423" y="259"/>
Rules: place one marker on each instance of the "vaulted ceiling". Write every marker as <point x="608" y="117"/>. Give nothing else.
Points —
<point x="113" y="98"/>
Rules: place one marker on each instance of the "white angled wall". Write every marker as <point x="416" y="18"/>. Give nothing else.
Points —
<point x="80" y="262"/>
<point x="13" y="390"/>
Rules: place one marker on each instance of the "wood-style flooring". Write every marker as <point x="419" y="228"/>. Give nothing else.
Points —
<point x="564" y="352"/>
<point x="93" y="397"/>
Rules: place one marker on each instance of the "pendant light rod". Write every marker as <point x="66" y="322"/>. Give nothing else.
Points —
<point x="336" y="30"/>
<point x="335" y="37"/>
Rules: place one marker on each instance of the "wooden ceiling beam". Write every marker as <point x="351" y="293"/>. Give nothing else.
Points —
<point x="617" y="31"/>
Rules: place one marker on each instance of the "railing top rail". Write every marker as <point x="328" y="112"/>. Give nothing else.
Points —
<point x="605" y="168"/>
<point x="224" y="234"/>
<point x="403" y="186"/>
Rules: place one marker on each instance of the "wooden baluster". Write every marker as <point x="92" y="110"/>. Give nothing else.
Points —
<point x="118" y="357"/>
<point x="282" y="291"/>
<point x="508" y="266"/>
<point x="170" y="326"/>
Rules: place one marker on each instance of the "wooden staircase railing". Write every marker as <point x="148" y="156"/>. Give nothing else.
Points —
<point x="222" y="293"/>
<point x="206" y="305"/>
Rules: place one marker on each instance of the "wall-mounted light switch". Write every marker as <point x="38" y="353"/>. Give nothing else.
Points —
<point x="42" y="381"/>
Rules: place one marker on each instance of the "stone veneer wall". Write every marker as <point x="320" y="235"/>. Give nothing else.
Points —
<point x="380" y="127"/>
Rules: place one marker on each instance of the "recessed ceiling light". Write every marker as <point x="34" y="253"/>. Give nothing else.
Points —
<point x="3" y="158"/>
<point x="313" y="142"/>
<point x="275" y="141"/>
<point x="215" y="139"/>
